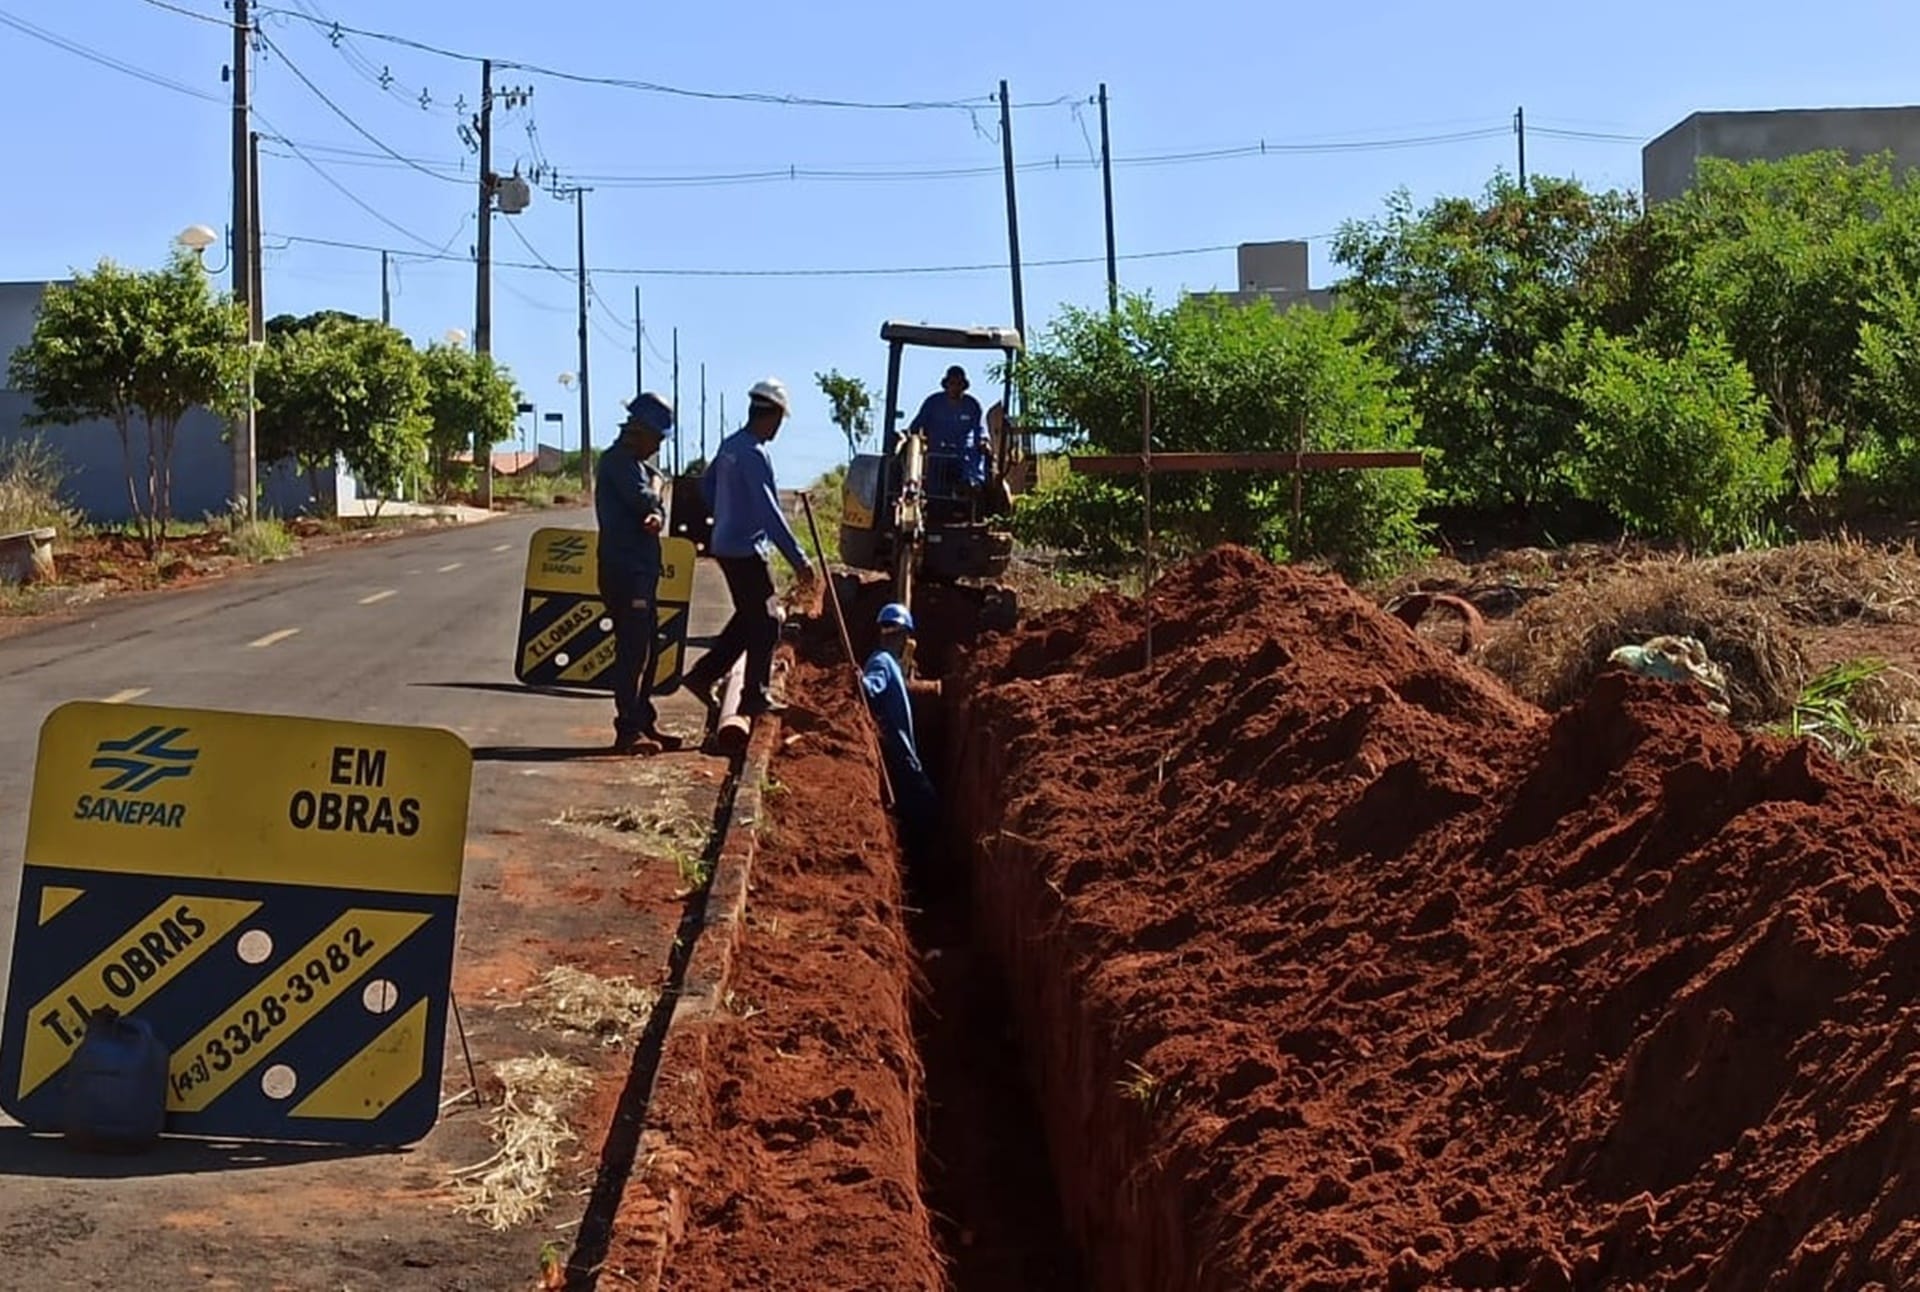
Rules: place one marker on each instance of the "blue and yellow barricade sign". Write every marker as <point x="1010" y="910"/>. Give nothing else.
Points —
<point x="276" y="897"/>
<point x="566" y="635"/>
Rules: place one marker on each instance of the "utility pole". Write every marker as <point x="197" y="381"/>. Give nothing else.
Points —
<point x="257" y="297"/>
<point x="483" y="283"/>
<point x="1013" y="211"/>
<point x="639" y="346"/>
<point x="579" y="196"/>
<point x="1520" y="136"/>
<point x="241" y="253"/>
<point x="679" y="461"/>
<point x="703" y="410"/>
<point x="1106" y="183"/>
<point x="386" y="300"/>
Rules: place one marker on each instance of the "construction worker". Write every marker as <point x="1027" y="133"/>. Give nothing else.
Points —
<point x="628" y="508"/>
<point x="747" y="524"/>
<point x="889" y="696"/>
<point x="950" y="419"/>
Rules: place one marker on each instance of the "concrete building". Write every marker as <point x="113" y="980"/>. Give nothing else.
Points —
<point x="1667" y="165"/>
<point x="1277" y="272"/>
<point x="96" y="481"/>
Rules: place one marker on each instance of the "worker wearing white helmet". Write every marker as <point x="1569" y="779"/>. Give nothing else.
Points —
<point x="747" y="525"/>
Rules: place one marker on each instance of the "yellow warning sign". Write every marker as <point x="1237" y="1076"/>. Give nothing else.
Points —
<point x="275" y="897"/>
<point x="566" y="634"/>
<point x="240" y="796"/>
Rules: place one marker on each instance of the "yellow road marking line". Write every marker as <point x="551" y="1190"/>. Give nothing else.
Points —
<point x="381" y="595"/>
<point x="449" y="569"/>
<point x="504" y="547"/>
<point x="131" y="693"/>
<point x="271" y="638"/>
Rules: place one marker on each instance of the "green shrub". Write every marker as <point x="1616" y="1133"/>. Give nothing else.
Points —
<point x="1676" y="447"/>
<point x="259" y="541"/>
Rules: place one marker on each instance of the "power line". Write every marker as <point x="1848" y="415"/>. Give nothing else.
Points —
<point x="215" y="19"/>
<point x="347" y="117"/>
<point x="894" y="271"/>
<point x="381" y="78"/>
<point x="364" y="205"/>
<point x="654" y="87"/>
<point x="105" y="60"/>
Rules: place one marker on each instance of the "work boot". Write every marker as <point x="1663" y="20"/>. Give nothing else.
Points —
<point x="668" y="742"/>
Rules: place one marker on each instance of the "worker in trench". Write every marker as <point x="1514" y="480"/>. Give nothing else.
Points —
<point x="958" y="455"/>
<point x="630" y="514"/>
<point x="890" y="695"/>
<point x="747" y="525"/>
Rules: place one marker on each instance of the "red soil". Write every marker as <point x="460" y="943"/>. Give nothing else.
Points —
<point x="1338" y="967"/>
<point x="802" y="1143"/>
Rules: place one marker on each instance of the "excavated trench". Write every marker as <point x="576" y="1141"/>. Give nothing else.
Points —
<point x="1313" y="959"/>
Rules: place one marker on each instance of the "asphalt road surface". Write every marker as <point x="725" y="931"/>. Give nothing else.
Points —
<point x="417" y="630"/>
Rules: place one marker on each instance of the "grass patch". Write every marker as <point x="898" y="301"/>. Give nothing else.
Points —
<point x="32" y="478"/>
<point x="574" y="1002"/>
<point x="259" y="541"/>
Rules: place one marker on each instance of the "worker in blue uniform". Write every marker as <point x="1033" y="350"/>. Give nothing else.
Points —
<point x="628" y="508"/>
<point x="950" y="418"/>
<point x="748" y="524"/>
<point x="890" y="698"/>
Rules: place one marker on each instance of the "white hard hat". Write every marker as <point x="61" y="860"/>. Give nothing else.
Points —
<point x="771" y="391"/>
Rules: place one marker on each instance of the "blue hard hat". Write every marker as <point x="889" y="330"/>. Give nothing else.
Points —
<point x="652" y="411"/>
<point x="895" y="615"/>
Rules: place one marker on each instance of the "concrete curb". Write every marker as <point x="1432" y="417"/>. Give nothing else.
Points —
<point x="654" y="1211"/>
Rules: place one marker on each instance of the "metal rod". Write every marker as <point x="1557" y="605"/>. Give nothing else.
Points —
<point x="1119" y="464"/>
<point x="846" y="644"/>
<point x="473" y="1078"/>
<point x="1146" y="494"/>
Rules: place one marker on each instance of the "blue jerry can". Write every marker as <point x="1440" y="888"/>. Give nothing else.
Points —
<point x="116" y="1086"/>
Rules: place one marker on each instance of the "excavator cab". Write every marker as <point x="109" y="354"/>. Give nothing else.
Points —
<point x="919" y="514"/>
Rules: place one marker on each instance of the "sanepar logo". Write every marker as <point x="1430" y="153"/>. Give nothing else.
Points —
<point x="135" y="765"/>
<point x="567" y="550"/>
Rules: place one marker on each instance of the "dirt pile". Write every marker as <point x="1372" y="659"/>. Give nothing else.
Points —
<point x="1339" y="967"/>
<point x="801" y="1140"/>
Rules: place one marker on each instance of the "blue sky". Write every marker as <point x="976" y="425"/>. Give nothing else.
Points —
<point x="104" y="164"/>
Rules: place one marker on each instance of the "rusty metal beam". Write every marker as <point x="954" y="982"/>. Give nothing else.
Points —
<point x="1116" y="464"/>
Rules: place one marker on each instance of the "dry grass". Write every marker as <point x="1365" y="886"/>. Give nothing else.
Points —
<point x="514" y="1185"/>
<point x="1550" y="652"/>
<point x="574" y="1002"/>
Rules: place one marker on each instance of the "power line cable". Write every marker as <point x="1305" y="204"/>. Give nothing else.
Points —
<point x="214" y="19"/>
<point x="893" y="271"/>
<point x="105" y="60"/>
<point x="366" y="206"/>
<point x="653" y="87"/>
<point x="347" y="117"/>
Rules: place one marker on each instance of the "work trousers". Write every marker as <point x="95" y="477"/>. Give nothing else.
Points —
<point x="630" y="597"/>
<point x="753" y="631"/>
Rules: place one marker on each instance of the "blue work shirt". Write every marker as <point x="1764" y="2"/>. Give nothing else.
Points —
<point x="886" y="687"/>
<point x="626" y="491"/>
<point x="739" y="489"/>
<point x="951" y="426"/>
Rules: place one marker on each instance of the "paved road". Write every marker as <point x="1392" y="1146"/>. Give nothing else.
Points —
<point x="416" y="630"/>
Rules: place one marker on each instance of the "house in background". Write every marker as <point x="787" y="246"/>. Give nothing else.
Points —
<point x="1668" y="164"/>
<point x="1276" y="272"/>
<point x="545" y="460"/>
<point x="96" y="480"/>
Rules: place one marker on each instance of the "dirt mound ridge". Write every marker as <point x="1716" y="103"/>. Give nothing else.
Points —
<point x="1341" y="968"/>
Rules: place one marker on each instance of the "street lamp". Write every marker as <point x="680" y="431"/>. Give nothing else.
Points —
<point x="457" y="337"/>
<point x="197" y="238"/>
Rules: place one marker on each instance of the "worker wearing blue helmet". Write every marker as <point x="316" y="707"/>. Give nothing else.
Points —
<point x="885" y="681"/>
<point x="628" y="508"/>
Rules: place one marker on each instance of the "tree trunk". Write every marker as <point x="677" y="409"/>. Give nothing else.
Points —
<point x="163" y="502"/>
<point x="126" y="460"/>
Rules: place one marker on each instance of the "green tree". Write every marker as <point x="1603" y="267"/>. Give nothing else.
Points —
<point x="1786" y="260"/>
<point x="344" y="388"/>
<point x="469" y="397"/>
<point x="852" y="406"/>
<point x="1675" y="445"/>
<point x="119" y="343"/>
<point x="1459" y="297"/>
<point x="1224" y="378"/>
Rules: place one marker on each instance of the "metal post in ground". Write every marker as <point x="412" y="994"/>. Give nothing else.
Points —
<point x="1146" y="493"/>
